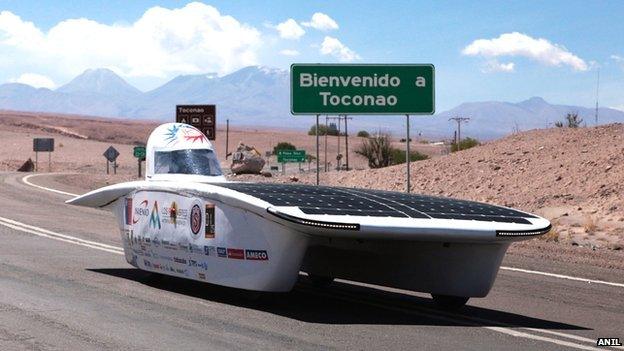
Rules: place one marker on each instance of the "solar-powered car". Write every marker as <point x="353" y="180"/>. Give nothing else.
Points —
<point x="187" y="221"/>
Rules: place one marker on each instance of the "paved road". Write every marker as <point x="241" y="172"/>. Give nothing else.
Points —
<point x="60" y="293"/>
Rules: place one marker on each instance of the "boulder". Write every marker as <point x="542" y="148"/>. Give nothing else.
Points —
<point x="28" y="166"/>
<point x="246" y="160"/>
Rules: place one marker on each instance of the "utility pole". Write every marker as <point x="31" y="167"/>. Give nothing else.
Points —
<point x="326" y="129"/>
<point x="227" y="138"/>
<point x="347" y="140"/>
<point x="459" y="121"/>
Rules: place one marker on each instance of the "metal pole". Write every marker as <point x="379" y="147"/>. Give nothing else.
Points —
<point x="346" y="142"/>
<point x="49" y="161"/>
<point x="139" y="162"/>
<point x="107" y="170"/>
<point x="407" y="153"/>
<point x="338" y="152"/>
<point x="36" y="160"/>
<point x="326" y="128"/>
<point x="458" y="135"/>
<point x="318" y="156"/>
<point x="227" y="137"/>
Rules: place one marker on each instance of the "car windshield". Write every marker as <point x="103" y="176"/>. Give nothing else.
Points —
<point x="189" y="161"/>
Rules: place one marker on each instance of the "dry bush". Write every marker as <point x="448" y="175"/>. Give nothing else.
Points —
<point x="590" y="225"/>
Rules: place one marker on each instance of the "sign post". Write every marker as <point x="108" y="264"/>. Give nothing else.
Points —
<point x="139" y="153"/>
<point x="363" y="89"/>
<point x="111" y="155"/>
<point x="291" y="156"/>
<point x="44" y="145"/>
<point x="202" y="117"/>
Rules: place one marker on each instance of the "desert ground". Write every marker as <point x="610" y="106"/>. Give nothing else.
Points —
<point x="573" y="177"/>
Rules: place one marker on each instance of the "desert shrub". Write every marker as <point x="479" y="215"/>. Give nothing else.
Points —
<point x="559" y="124"/>
<point x="283" y="145"/>
<point x="376" y="150"/>
<point x="573" y="120"/>
<point x="363" y="134"/>
<point x="332" y="129"/>
<point x="397" y="156"/>
<point x="465" y="144"/>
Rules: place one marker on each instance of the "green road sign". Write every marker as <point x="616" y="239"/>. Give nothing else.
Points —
<point x="139" y="152"/>
<point x="291" y="156"/>
<point x="362" y="89"/>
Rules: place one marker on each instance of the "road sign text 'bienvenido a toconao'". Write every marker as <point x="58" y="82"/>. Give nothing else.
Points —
<point x="362" y="89"/>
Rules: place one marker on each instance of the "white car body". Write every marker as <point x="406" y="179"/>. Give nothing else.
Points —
<point x="259" y="236"/>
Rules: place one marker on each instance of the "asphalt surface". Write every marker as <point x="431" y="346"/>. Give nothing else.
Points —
<point x="63" y="293"/>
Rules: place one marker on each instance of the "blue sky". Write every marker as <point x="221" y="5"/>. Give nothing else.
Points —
<point x="489" y="50"/>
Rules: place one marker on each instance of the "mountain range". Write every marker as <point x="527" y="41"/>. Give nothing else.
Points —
<point x="259" y="96"/>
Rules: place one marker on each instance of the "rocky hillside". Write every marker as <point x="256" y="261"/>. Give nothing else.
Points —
<point x="574" y="177"/>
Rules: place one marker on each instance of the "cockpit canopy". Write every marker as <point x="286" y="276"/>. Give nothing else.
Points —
<point x="176" y="151"/>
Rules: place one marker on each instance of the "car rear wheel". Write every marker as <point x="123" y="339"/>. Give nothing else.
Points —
<point x="448" y="302"/>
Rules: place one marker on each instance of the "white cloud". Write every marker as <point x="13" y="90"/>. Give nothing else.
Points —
<point x="289" y="52"/>
<point x="321" y="21"/>
<point x="290" y="29"/>
<point x="495" y="66"/>
<point x="518" y="44"/>
<point x="617" y="58"/>
<point x="163" y="42"/>
<point x="618" y="107"/>
<point x="34" y="80"/>
<point x="332" y="46"/>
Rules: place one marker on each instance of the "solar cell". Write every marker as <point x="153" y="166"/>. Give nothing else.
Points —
<point x="319" y="200"/>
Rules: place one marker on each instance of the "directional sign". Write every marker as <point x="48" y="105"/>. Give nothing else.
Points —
<point x="202" y="117"/>
<point x="362" y="89"/>
<point x="43" y="144"/>
<point x="291" y="156"/>
<point x="111" y="154"/>
<point x="139" y="152"/>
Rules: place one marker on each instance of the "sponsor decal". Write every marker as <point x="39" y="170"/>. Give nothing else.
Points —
<point x="140" y="212"/>
<point x="178" y="132"/>
<point x="210" y="221"/>
<point x="221" y="252"/>
<point x="196" y="220"/>
<point x="155" y="216"/>
<point x="173" y="214"/>
<point x="147" y="263"/>
<point x="201" y="276"/>
<point x="210" y="251"/>
<point x="192" y="263"/>
<point x="195" y="248"/>
<point x="179" y="260"/>
<point x="237" y="254"/>
<point x="203" y="265"/>
<point x="128" y="211"/>
<point x="257" y="255"/>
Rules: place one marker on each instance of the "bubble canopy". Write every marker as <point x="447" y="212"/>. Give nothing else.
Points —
<point x="176" y="151"/>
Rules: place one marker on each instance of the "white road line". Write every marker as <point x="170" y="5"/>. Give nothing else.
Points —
<point x="561" y="276"/>
<point x="513" y="269"/>
<point x="25" y="180"/>
<point x="60" y="237"/>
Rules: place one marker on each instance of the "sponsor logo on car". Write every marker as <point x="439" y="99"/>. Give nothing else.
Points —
<point x="257" y="255"/>
<point x="209" y="251"/>
<point x="179" y="260"/>
<point x="194" y="248"/>
<point x="140" y="211"/>
<point x="196" y="220"/>
<point x="209" y="230"/>
<point x="201" y="276"/>
<point x="221" y="252"/>
<point x="147" y="263"/>
<point x="128" y="211"/>
<point x="155" y="216"/>
<point x="238" y="254"/>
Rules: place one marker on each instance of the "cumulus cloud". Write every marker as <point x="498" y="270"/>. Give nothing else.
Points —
<point x="290" y="29"/>
<point x="194" y="38"/>
<point x="289" y="52"/>
<point x="518" y="44"/>
<point x="332" y="46"/>
<point x="34" y="80"/>
<point x="322" y="22"/>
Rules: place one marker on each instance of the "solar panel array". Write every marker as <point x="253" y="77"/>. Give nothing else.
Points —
<point x="323" y="200"/>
